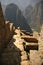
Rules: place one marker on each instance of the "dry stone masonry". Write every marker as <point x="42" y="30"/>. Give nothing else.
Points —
<point x="18" y="47"/>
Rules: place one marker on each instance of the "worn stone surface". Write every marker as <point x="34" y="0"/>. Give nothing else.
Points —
<point x="35" y="58"/>
<point x="41" y="45"/>
<point x="24" y="57"/>
<point x="25" y="62"/>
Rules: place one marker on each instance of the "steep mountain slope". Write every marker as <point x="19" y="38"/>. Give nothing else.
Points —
<point x="36" y="16"/>
<point x="35" y="19"/>
<point x="14" y="14"/>
<point x="27" y="11"/>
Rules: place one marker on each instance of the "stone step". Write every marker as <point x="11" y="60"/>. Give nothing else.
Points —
<point x="26" y="33"/>
<point x="23" y="53"/>
<point x="24" y="57"/>
<point x="29" y="39"/>
<point x="35" y="57"/>
<point x="32" y="46"/>
<point x="18" y="39"/>
<point x="26" y="63"/>
<point x="20" y="47"/>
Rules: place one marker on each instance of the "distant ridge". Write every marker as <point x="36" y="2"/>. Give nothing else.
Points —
<point x="35" y="19"/>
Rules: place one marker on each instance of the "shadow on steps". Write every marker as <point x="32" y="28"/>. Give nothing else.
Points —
<point x="11" y="55"/>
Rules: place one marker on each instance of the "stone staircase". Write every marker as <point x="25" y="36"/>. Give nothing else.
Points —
<point x="24" y="47"/>
<point x="18" y="47"/>
<point x="18" y="50"/>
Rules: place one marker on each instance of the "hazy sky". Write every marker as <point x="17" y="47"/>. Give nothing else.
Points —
<point x="22" y="4"/>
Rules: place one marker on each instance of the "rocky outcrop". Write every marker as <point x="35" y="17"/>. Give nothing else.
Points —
<point x="2" y="25"/>
<point x="9" y="30"/>
<point x="6" y="30"/>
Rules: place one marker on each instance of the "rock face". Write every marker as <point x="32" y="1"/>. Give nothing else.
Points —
<point x="6" y="29"/>
<point x="2" y="26"/>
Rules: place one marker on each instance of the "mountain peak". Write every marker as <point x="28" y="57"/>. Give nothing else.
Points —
<point x="14" y="14"/>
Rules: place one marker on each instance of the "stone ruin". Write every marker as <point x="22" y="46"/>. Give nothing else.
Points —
<point x="18" y="47"/>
